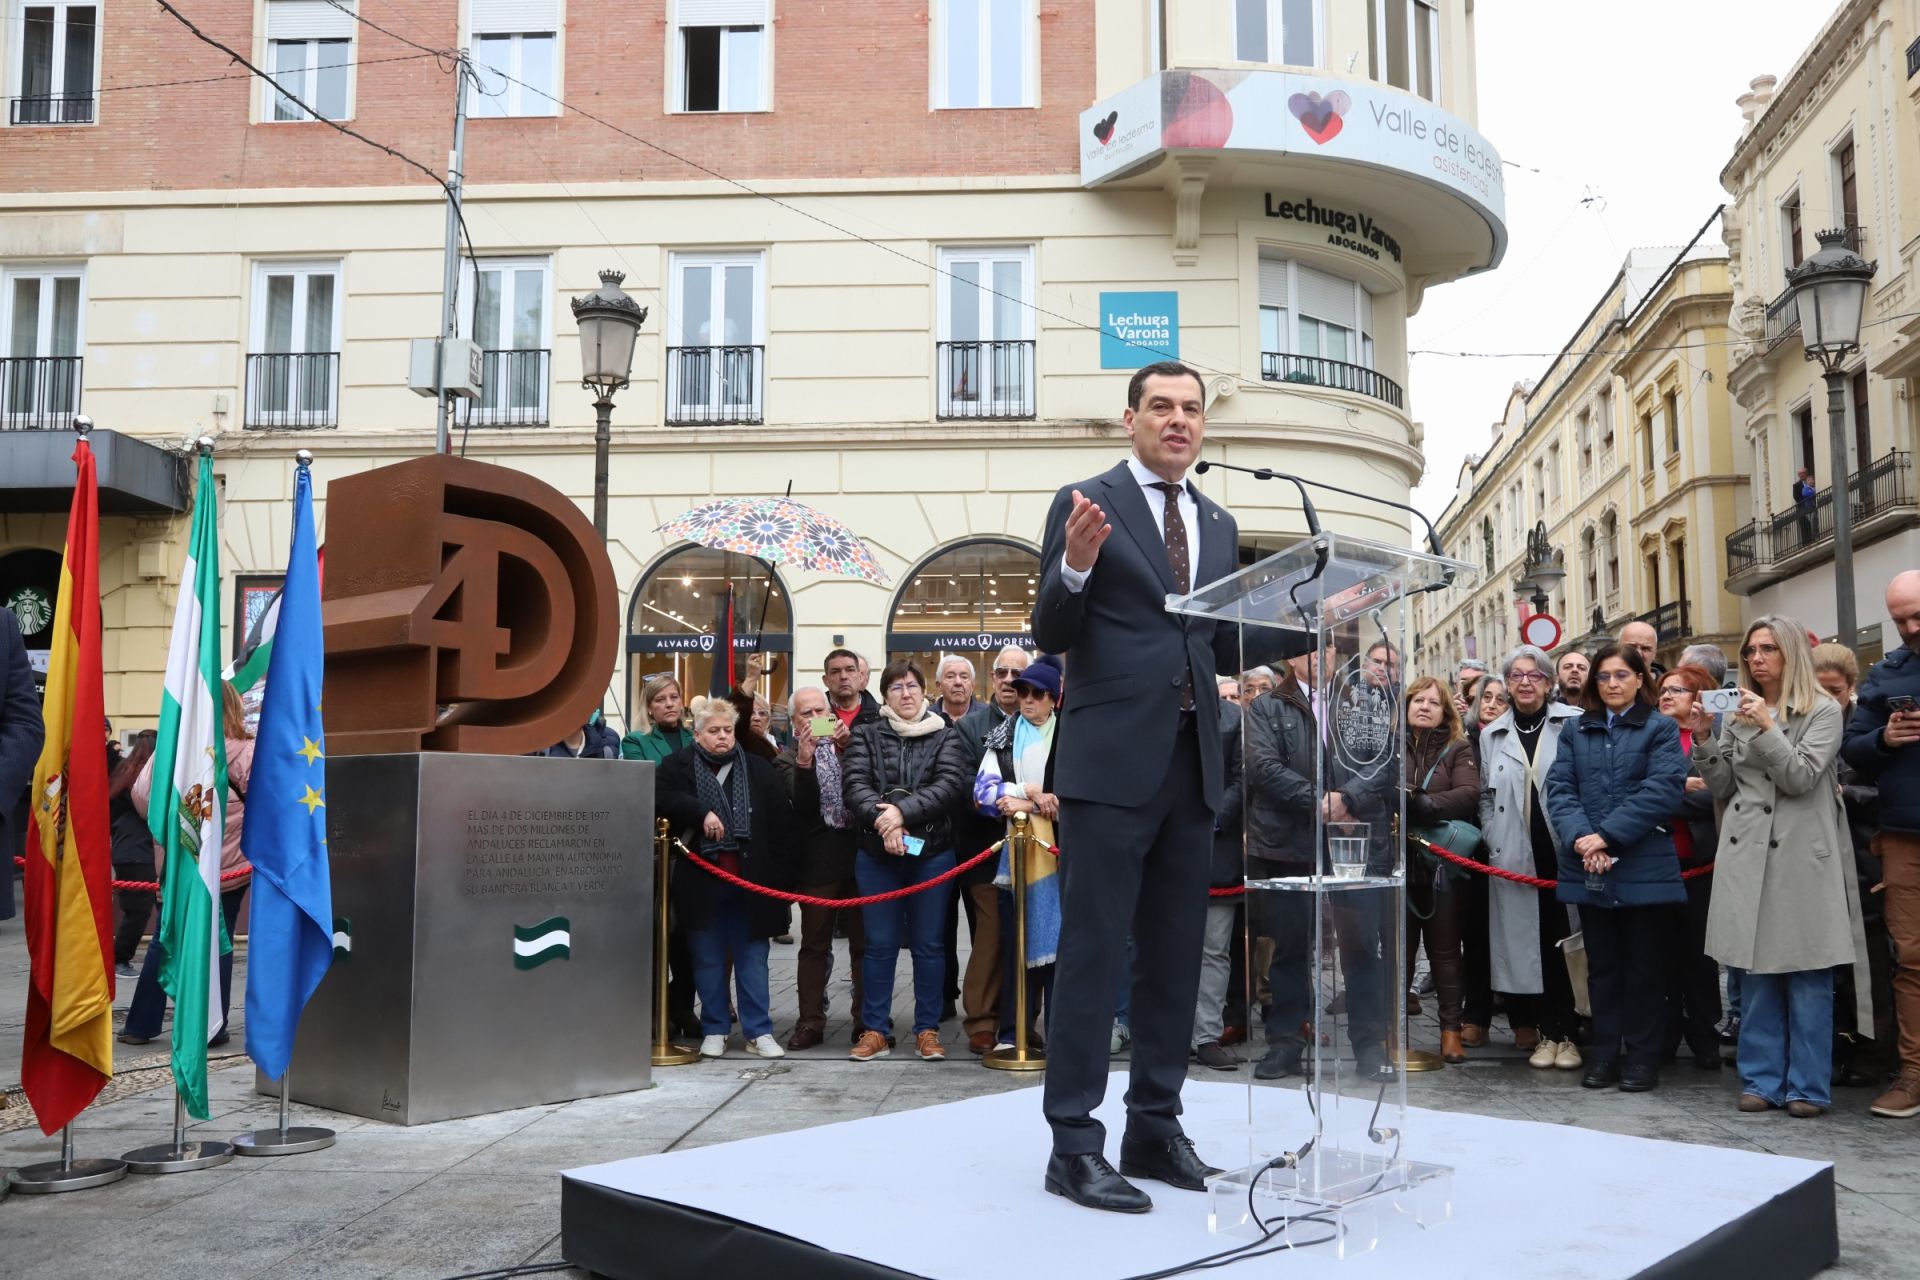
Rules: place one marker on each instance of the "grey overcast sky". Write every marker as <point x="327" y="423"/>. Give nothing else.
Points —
<point x="1635" y="110"/>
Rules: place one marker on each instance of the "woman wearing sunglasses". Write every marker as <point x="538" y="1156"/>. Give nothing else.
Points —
<point x="1784" y="911"/>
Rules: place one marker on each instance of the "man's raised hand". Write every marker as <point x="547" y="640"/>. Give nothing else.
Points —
<point x="1087" y="531"/>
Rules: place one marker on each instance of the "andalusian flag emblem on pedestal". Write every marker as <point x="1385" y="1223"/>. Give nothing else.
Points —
<point x="535" y="944"/>
<point x="342" y="939"/>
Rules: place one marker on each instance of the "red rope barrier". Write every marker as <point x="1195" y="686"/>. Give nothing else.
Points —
<point x="153" y="886"/>
<point x="1502" y="873"/>
<point x="808" y="900"/>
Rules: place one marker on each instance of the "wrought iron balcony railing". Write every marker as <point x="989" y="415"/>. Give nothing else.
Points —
<point x="715" y="385"/>
<point x="74" y="108"/>
<point x="1670" y="621"/>
<point x="294" y="390"/>
<point x="1885" y="485"/>
<point x="513" y="389"/>
<point x="38" y="392"/>
<point x="984" y="379"/>
<point x="1279" y="366"/>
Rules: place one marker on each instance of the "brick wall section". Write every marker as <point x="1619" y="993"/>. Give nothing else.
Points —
<point x="849" y="101"/>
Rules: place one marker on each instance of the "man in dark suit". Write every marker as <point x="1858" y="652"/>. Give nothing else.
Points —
<point x="21" y="735"/>
<point x="1139" y="772"/>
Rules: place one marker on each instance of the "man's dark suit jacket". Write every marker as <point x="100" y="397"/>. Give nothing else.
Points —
<point x="1127" y="658"/>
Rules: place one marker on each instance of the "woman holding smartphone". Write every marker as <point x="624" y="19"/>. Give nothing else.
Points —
<point x="1784" y="912"/>
<point x="905" y="776"/>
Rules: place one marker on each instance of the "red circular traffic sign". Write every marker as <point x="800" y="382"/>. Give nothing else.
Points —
<point x="1542" y="631"/>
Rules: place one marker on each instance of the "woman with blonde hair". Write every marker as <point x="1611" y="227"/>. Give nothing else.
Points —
<point x="1784" y="912"/>
<point x="661" y="723"/>
<point x="1443" y="798"/>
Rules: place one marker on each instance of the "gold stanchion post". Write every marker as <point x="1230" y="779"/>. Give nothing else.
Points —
<point x="665" y="1052"/>
<point x="1021" y="1057"/>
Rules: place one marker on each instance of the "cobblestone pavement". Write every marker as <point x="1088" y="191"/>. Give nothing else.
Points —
<point x="437" y="1200"/>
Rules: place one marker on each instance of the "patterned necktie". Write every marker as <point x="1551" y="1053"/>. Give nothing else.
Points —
<point x="1181" y="561"/>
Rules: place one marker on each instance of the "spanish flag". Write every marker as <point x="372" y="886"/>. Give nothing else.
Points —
<point x="68" y="1054"/>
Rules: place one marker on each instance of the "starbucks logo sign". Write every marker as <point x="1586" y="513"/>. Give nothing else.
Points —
<point x="33" y="608"/>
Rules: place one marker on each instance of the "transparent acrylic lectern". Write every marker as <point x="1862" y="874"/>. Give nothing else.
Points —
<point x="1323" y="809"/>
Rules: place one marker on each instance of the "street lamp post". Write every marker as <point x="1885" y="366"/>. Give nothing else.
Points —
<point x="609" y="323"/>
<point x="1830" y="294"/>
<point x="1545" y="569"/>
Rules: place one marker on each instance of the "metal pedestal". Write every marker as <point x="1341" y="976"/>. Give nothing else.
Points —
<point x="66" y="1173"/>
<point x="665" y="1052"/>
<point x="178" y="1156"/>
<point x="1021" y="1057"/>
<point x="285" y="1140"/>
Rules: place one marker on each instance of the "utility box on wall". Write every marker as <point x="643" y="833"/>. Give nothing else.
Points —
<point x="461" y="371"/>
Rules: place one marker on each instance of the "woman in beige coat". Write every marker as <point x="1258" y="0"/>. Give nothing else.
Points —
<point x="1784" y="911"/>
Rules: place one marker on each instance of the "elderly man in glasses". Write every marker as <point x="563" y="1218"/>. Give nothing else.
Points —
<point x="980" y="984"/>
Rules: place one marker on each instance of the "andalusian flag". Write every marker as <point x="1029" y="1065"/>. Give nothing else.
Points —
<point x="188" y="810"/>
<point x="68" y="1054"/>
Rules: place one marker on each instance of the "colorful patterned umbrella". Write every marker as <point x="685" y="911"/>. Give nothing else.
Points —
<point x="779" y="531"/>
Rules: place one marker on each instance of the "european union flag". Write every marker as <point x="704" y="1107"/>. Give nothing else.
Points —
<point x="290" y="934"/>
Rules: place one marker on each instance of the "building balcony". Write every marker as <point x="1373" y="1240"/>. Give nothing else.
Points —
<point x="1344" y="156"/>
<point x="715" y="386"/>
<point x="294" y="391"/>
<point x="513" y="390"/>
<point x="38" y="393"/>
<point x="1670" y="622"/>
<point x="64" y="109"/>
<point x="1765" y="550"/>
<point x="1783" y="319"/>
<point x="984" y="379"/>
<point x="1913" y="59"/>
<point x="1279" y="366"/>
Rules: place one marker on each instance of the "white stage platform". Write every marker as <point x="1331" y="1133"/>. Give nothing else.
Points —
<point x="953" y="1192"/>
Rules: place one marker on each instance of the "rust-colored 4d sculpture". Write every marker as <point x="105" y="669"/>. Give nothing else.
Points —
<point x="467" y="607"/>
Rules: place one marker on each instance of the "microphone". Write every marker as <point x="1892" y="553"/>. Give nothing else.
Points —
<point x="1264" y="473"/>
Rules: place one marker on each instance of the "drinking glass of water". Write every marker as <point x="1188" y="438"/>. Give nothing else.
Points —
<point x="1347" y="849"/>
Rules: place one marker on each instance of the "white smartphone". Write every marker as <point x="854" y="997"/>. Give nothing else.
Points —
<point x="1721" y="702"/>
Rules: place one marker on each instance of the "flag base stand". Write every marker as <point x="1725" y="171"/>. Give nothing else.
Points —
<point x="178" y="1156"/>
<point x="66" y="1173"/>
<point x="286" y="1140"/>
<point x="1020" y="1056"/>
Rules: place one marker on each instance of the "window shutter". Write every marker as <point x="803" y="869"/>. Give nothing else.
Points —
<point x="307" y="20"/>
<point x="1366" y="310"/>
<point x="1326" y="297"/>
<point x="721" y="13"/>
<point x="1273" y="282"/>
<point x="514" y="17"/>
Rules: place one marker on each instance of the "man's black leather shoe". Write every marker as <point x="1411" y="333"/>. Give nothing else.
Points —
<point x="1638" y="1077"/>
<point x="1169" y="1160"/>
<point x="1279" y="1061"/>
<point x="1601" y="1075"/>
<point x="1090" y="1181"/>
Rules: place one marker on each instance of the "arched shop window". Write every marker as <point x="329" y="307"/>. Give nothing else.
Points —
<point x="972" y="600"/>
<point x="677" y="613"/>
<point x="30" y="586"/>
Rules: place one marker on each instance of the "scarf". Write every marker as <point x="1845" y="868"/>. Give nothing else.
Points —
<point x="826" y="772"/>
<point x="729" y="799"/>
<point x="929" y="722"/>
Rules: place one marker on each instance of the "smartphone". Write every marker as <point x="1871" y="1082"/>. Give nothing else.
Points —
<point x="823" y="726"/>
<point x="1721" y="702"/>
<point x="1900" y="702"/>
<point x="914" y="845"/>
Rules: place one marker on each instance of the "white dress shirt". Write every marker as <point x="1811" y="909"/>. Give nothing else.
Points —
<point x="1156" y="503"/>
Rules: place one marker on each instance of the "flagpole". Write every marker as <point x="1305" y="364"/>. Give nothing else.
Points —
<point x="66" y="1173"/>
<point x="178" y="1156"/>
<point x="286" y="1140"/>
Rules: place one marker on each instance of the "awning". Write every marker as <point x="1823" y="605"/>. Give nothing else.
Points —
<point x="136" y="478"/>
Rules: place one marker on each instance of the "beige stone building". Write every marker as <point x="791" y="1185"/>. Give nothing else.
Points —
<point x="1830" y="145"/>
<point x="905" y="270"/>
<point x="1622" y="450"/>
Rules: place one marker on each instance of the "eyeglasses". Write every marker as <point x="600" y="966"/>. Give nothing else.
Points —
<point x="1614" y="677"/>
<point x="901" y="686"/>
<point x="1752" y="650"/>
<point x="1007" y="673"/>
<point x="1028" y="691"/>
<point x="1674" y="690"/>
<point x="1527" y="677"/>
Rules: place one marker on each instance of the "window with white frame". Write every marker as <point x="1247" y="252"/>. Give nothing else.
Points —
<point x="1553" y="471"/>
<point x="720" y="55"/>
<point x="504" y="310"/>
<point x="1280" y="31"/>
<point x="1405" y="38"/>
<point x="1308" y="315"/>
<point x="310" y="57"/>
<point x="984" y="346"/>
<point x="513" y="57"/>
<point x="40" y="342"/>
<point x="985" y="53"/>
<point x="55" y="65"/>
<point x="718" y="333"/>
<point x="293" y="361"/>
